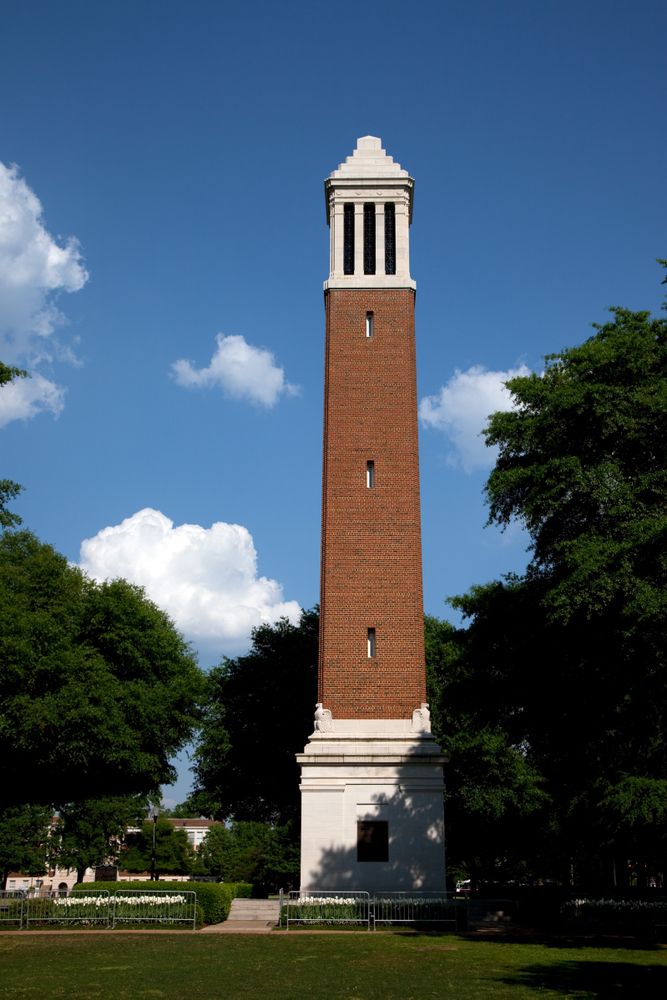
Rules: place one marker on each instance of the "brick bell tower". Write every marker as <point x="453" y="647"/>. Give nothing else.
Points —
<point x="371" y="773"/>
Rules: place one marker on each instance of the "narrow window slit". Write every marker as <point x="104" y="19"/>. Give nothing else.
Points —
<point x="371" y="643"/>
<point x="348" y="238"/>
<point x="370" y="324"/>
<point x="389" y="238"/>
<point x="369" y="238"/>
<point x="370" y="475"/>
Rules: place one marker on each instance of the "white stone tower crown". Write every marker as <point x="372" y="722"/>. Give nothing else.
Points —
<point x="369" y="211"/>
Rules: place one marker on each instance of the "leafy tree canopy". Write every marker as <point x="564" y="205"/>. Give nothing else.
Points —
<point x="567" y="663"/>
<point x="264" y="855"/>
<point x="9" y="489"/>
<point x="90" y="833"/>
<point x="173" y="853"/>
<point x="7" y="373"/>
<point x="258" y="715"/>
<point x="495" y="797"/>
<point x="582" y="464"/>
<point x="187" y="809"/>
<point x="97" y="688"/>
<point x="24" y="840"/>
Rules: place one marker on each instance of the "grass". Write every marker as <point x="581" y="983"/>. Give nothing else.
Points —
<point x="299" y="967"/>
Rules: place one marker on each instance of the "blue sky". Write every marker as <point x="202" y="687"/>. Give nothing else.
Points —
<point x="161" y="201"/>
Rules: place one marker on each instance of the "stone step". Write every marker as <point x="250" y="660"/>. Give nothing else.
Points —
<point x="262" y="910"/>
<point x="248" y="916"/>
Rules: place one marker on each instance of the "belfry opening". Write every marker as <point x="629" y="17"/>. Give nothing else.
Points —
<point x="371" y="772"/>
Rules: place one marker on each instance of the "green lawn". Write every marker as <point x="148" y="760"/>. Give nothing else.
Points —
<point x="357" y="966"/>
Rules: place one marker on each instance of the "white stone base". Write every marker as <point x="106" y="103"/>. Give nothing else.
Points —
<point x="372" y="770"/>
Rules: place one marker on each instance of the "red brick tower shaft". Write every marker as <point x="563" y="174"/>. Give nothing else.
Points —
<point x="372" y="623"/>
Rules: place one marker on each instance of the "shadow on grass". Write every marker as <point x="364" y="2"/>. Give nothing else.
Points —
<point x="559" y="940"/>
<point x="595" y="980"/>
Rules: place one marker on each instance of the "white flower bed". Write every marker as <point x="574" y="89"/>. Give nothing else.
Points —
<point x="128" y="907"/>
<point x="629" y="914"/>
<point x="148" y="900"/>
<point x="70" y="901"/>
<point x="615" y="905"/>
<point x="325" y="900"/>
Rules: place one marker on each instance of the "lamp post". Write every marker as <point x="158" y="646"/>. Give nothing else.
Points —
<point x="154" y="816"/>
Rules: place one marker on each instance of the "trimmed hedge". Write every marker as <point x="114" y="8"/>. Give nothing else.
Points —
<point x="214" y="898"/>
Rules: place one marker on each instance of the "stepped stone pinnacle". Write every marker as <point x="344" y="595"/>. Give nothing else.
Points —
<point x="369" y="160"/>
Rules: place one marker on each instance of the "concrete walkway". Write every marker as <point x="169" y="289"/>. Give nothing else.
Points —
<point x="248" y="916"/>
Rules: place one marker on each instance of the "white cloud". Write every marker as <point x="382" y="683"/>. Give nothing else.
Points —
<point x="461" y="408"/>
<point x="204" y="578"/>
<point x="34" y="268"/>
<point x="240" y="369"/>
<point x="26" y="397"/>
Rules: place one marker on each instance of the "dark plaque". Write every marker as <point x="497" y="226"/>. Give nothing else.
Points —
<point x="372" y="840"/>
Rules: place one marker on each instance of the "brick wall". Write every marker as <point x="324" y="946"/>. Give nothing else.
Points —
<point x="371" y="538"/>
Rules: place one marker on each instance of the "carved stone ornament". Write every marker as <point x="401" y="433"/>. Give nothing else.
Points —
<point x="421" y="719"/>
<point x="323" y="719"/>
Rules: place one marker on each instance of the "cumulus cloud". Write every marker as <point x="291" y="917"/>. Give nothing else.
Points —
<point x="26" y="397"/>
<point x="204" y="578"/>
<point x="240" y="369"/>
<point x="461" y="408"/>
<point x="34" y="269"/>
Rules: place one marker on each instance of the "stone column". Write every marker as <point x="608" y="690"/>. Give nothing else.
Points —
<point x="402" y="236"/>
<point x="336" y="223"/>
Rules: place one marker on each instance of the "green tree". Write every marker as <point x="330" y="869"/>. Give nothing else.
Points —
<point x="9" y="489"/>
<point x="97" y="689"/>
<point x="582" y="465"/>
<point x="494" y="793"/>
<point x="258" y="715"/>
<point x="24" y="840"/>
<point x="569" y="659"/>
<point x="173" y="853"/>
<point x="182" y="810"/>
<point x="264" y="855"/>
<point x="90" y="833"/>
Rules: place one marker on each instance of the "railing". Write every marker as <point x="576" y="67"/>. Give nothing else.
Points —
<point x="11" y="906"/>
<point x="414" y="908"/>
<point x="327" y="907"/>
<point x="351" y="907"/>
<point x="99" y="908"/>
<point x="133" y="906"/>
<point x="54" y="908"/>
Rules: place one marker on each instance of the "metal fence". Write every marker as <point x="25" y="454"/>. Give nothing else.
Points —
<point x="99" y="908"/>
<point x="415" y="908"/>
<point x="369" y="909"/>
<point x="326" y="907"/>
<point x="11" y="907"/>
<point x="134" y="906"/>
<point x="53" y="908"/>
